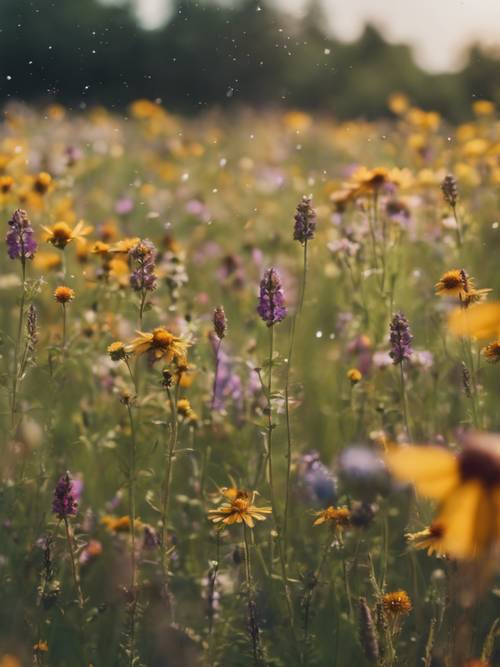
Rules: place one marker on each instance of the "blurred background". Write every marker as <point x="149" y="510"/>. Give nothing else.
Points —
<point x="338" y="56"/>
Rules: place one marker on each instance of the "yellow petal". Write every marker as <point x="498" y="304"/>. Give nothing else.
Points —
<point x="433" y="470"/>
<point x="466" y="519"/>
<point x="481" y="320"/>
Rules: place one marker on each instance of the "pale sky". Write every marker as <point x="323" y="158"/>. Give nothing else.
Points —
<point x="438" y="30"/>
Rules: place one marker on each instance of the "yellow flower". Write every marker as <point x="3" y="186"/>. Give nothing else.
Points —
<point x="340" y="516"/>
<point x="483" y="108"/>
<point x="457" y="283"/>
<point x="397" y="603"/>
<point x="238" y="508"/>
<point x="9" y="660"/>
<point x="160" y="344"/>
<point x="398" y="103"/>
<point x="185" y="410"/>
<point x="63" y="294"/>
<point x="466" y="486"/>
<point x="61" y="233"/>
<point x="125" y="245"/>
<point x="120" y="524"/>
<point x="47" y="261"/>
<point x="42" y="182"/>
<point x="492" y="352"/>
<point x="117" y="350"/>
<point x="481" y="320"/>
<point x="6" y="184"/>
<point x="354" y="375"/>
<point x="430" y="538"/>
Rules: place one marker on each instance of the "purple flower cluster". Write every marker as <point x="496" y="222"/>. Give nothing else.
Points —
<point x="143" y="277"/>
<point x="305" y="221"/>
<point x="20" y="240"/>
<point x="400" y="338"/>
<point x="271" y="305"/>
<point x="64" y="503"/>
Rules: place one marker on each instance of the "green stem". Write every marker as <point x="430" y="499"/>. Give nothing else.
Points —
<point x="253" y="626"/>
<point x="132" y="513"/>
<point x="167" y="483"/>
<point x="18" y="342"/>
<point x="404" y="400"/>
<point x="74" y="568"/>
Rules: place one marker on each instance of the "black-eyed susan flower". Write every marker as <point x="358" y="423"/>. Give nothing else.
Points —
<point x="117" y="350"/>
<point x="160" y="344"/>
<point x="466" y="486"/>
<point x="42" y="183"/>
<point x="6" y="184"/>
<point x="338" y="516"/>
<point x="60" y="234"/>
<point x="429" y="538"/>
<point x="354" y="375"/>
<point x="63" y="294"/>
<point x="492" y="352"/>
<point x="459" y="285"/>
<point x="238" y="508"/>
<point x="396" y="603"/>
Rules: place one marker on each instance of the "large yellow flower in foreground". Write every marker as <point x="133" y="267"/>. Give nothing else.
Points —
<point x="467" y="487"/>
<point x="239" y="507"/>
<point x="160" y="344"/>
<point x="481" y="320"/>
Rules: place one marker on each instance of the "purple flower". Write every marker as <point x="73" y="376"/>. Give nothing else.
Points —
<point x="64" y="503"/>
<point x="271" y="305"/>
<point x="315" y="480"/>
<point x="20" y="241"/>
<point x="400" y="338"/>
<point x="143" y="277"/>
<point x="124" y="205"/>
<point x="305" y="221"/>
<point x="362" y="472"/>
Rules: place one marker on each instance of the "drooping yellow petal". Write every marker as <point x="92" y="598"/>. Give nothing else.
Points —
<point x="466" y="519"/>
<point x="433" y="470"/>
<point x="481" y="320"/>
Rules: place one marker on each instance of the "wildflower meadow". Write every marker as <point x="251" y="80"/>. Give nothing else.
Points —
<point x="249" y="403"/>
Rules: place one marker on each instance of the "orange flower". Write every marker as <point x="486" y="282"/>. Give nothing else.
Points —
<point x="63" y="294"/>
<point x="238" y="509"/>
<point x="160" y="344"/>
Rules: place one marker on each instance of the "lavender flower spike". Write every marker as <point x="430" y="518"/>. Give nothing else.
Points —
<point x="64" y="503"/>
<point x="305" y="221"/>
<point x="400" y="338"/>
<point x="143" y="278"/>
<point x="271" y="305"/>
<point x="20" y="241"/>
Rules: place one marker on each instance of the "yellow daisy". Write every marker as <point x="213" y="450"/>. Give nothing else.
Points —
<point x="238" y="508"/>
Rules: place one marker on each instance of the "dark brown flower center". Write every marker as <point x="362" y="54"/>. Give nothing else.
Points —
<point x="480" y="464"/>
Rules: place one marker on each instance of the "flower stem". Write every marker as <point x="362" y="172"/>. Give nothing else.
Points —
<point x="167" y="483"/>
<point x="18" y="342"/>
<point x="404" y="400"/>
<point x="252" y="619"/>
<point x="132" y="512"/>
<point x="74" y="568"/>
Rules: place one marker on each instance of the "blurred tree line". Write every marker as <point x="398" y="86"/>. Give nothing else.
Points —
<point x="82" y="52"/>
